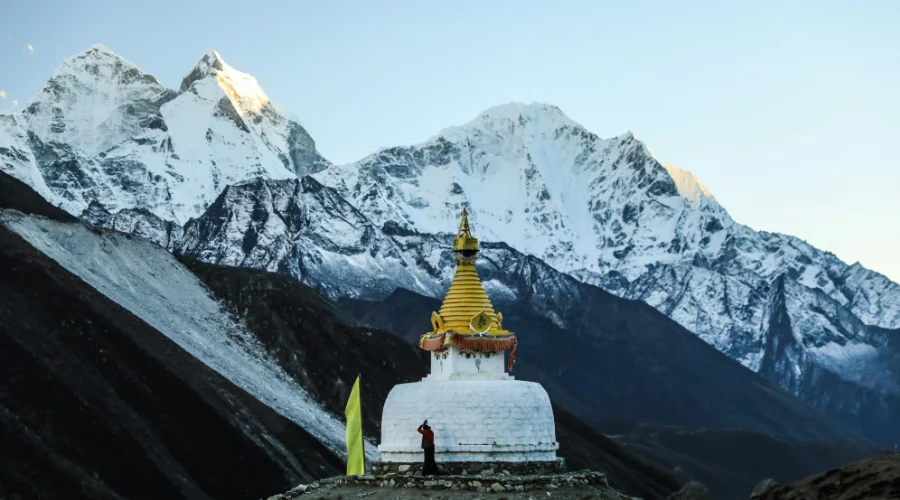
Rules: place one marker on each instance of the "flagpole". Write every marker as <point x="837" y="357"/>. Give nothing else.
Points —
<point x="362" y="438"/>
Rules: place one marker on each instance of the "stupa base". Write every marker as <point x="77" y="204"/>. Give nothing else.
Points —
<point x="536" y="468"/>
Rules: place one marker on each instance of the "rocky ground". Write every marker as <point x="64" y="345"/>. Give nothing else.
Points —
<point x="875" y="478"/>
<point x="573" y="485"/>
<point x="348" y="492"/>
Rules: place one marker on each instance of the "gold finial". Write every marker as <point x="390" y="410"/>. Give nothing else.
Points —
<point x="464" y="225"/>
<point x="464" y="241"/>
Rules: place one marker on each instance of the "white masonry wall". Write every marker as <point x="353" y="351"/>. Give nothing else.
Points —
<point x="473" y="421"/>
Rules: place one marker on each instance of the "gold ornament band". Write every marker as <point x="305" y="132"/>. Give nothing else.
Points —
<point x="473" y="342"/>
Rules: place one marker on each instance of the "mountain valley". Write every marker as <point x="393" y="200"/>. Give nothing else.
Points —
<point x="199" y="256"/>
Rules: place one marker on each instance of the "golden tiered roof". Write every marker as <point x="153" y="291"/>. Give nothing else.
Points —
<point x="467" y="312"/>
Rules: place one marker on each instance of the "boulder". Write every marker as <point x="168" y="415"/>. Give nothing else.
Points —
<point x="694" y="490"/>
<point x="762" y="486"/>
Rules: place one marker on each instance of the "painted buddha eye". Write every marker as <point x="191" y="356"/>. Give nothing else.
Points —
<point x="467" y="354"/>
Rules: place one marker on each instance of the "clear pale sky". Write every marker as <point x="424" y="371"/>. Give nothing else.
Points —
<point x="788" y="111"/>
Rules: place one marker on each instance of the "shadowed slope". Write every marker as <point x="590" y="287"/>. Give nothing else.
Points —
<point x="622" y="359"/>
<point x="316" y="342"/>
<point x="94" y="403"/>
<point x="627" y="362"/>
<point x="877" y="477"/>
<point x="104" y="392"/>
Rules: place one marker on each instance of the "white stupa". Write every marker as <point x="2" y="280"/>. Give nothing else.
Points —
<point x="478" y="412"/>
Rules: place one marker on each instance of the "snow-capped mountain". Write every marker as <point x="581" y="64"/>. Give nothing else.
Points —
<point x="306" y="230"/>
<point x="607" y="212"/>
<point x="170" y="298"/>
<point x="109" y="140"/>
<point x="102" y="129"/>
<point x="250" y="325"/>
<point x="537" y="180"/>
<point x="604" y="209"/>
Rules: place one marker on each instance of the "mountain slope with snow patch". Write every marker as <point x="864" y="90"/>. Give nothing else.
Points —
<point x="152" y="284"/>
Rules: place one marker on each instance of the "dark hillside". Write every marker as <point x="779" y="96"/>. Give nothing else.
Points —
<point x="732" y="462"/>
<point x="95" y="403"/>
<point x="624" y="360"/>
<point x="875" y="478"/>
<point x="17" y="195"/>
<point x="317" y="343"/>
<point x="628" y="363"/>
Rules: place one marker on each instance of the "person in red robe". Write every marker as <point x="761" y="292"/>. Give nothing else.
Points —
<point x="430" y="468"/>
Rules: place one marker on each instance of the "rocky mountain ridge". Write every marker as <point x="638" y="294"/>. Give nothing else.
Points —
<point x="308" y="340"/>
<point x="301" y="228"/>
<point x="102" y="129"/>
<point x="102" y="398"/>
<point x="606" y="211"/>
<point x="602" y="210"/>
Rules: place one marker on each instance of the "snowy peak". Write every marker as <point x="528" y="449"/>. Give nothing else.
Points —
<point x="513" y="118"/>
<point x="99" y="61"/>
<point x="102" y="129"/>
<point x="534" y="111"/>
<point x="98" y="70"/>
<point x="95" y="53"/>
<point x="537" y="180"/>
<point x="535" y="118"/>
<point x="210" y="64"/>
<point x="89" y="97"/>
<point x="690" y="187"/>
<point x="627" y="136"/>
<point x="242" y="89"/>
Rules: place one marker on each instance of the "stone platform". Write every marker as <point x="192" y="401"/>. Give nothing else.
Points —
<point x="493" y="483"/>
<point x="557" y="466"/>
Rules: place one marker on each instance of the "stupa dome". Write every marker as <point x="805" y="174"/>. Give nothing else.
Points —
<point x="473" y="421"/>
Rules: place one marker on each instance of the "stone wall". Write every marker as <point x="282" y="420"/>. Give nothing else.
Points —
<point x="557" y="466"/>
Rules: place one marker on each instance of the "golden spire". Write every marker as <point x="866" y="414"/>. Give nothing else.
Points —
<point x="465" y="243"/>
<point x="467" y="309"/>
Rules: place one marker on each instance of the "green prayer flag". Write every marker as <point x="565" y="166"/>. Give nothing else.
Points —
<point x="356" y="457"/>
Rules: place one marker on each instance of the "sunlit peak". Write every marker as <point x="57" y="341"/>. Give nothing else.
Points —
<point x="243" y="89"/>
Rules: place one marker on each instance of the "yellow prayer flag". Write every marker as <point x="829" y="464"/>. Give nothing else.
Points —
<point x="356" y="458"/>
